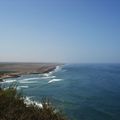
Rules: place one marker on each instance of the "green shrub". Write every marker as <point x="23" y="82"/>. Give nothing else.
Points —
<point x="12" y="107"/>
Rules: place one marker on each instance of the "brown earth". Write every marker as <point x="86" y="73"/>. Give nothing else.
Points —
<point x="8" y="70"/>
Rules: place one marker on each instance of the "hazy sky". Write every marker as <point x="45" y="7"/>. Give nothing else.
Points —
<point x="60" y="30"/>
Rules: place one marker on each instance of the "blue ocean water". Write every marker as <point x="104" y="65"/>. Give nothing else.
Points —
<point x="82" y="91"/>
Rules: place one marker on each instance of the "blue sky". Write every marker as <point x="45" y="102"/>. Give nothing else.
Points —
<point x="74" y="31"/>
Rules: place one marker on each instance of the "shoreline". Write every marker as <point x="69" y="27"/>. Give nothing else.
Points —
<point x="15" y="70"/>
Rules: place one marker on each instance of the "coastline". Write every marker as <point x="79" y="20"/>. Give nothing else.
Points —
<point x="15" y="70"/>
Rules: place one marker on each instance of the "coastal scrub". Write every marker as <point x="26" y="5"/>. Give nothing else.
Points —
<point x="13" y="107"/>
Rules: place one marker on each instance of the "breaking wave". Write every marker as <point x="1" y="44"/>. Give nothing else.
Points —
<point x="28" y="102"/>
<point x="8" y="81"/>
<point x="28" y="82"/>
<point x="58" y="68"/>
<point x="27" y="79"/>
<point x="55" y="80"/>
<point x="48" y="77"/>
<point x="19" y="87"/>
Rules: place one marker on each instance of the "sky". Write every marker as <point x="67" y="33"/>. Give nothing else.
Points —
<point x="70" y="31"/>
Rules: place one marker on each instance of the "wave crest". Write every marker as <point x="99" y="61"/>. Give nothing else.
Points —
<point x="28" y="102"/>
<point x="55" y="80"/>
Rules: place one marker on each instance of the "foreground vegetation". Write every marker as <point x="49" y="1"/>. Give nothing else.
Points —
<point x="12" y="107"/>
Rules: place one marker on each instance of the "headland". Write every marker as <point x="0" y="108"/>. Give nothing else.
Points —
<point x="14" y="70"/>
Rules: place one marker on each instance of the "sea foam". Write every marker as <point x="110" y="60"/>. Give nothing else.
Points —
<point x="55" y="80"/>
<point x="27" y="79"/>
<point x="28" y="102"/>
<point x="8" y="81"/>
<point x="28" y="82"/>
<point x="48" y="77"/>
<point x="58" y="68"/>
<point x="23" y="86"/>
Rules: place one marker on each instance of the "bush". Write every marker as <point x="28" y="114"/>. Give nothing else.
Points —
<point x="12" y="107"/>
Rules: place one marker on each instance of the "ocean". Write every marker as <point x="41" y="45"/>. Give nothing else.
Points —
<point x="81" y="91"/>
